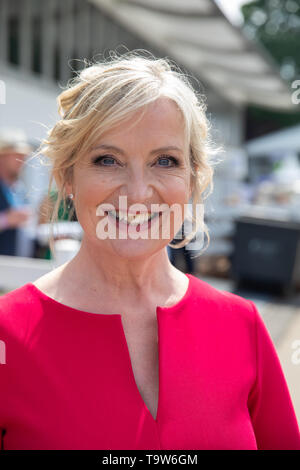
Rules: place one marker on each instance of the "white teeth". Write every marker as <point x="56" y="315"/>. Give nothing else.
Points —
<point x="132" y="219"/>
<point x="113" y="213"/>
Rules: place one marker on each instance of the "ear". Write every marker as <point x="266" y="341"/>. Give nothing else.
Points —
<point x="69" y="181"/>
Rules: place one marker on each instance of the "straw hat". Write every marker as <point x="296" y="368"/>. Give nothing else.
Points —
<point x="14" y="139"/>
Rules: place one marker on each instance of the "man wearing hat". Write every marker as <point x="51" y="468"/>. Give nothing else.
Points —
<point x="13" y="213"/>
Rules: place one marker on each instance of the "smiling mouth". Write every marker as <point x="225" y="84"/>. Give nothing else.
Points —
<point x="133" y="220"/>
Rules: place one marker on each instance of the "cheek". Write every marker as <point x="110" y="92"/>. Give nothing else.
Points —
<point x="176" y="195"/>
<point x="176" y="190"/>
<point x="90" y="191"/>
<point x="14" y="165"/>
<point x="92" y="188"/>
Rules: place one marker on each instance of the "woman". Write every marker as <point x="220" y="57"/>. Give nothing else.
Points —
<point x="117" y="349"/>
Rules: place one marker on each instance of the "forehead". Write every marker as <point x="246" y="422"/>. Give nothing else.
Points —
<point x="160" y="120"/>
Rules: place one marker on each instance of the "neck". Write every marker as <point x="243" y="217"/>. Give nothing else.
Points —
<point x="133" y="281"/>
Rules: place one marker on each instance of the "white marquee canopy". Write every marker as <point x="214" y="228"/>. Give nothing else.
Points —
<point x="198" y="35"/>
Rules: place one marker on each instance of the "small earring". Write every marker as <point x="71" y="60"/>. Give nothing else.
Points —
<point x="70" y="197"/>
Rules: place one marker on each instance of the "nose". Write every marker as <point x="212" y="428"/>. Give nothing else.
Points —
<point x="139" y="186"/>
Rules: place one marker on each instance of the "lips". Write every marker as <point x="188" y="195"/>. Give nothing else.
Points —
<point x="133" y="219"/>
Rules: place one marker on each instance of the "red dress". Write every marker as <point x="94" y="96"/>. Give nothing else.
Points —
<point x="66" y="380"/>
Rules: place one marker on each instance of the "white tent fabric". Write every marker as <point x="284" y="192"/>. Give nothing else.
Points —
<point x="285" y="140"/>
<point x="198" y="35"/>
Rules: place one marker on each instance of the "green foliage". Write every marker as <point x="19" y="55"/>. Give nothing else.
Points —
<point x="276" y="25"/>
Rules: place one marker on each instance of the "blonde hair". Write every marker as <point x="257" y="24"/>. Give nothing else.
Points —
<point x="103" y="94"/>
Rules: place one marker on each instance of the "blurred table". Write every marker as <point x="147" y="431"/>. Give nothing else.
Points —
<point x="15" y="271"/>
<point x="59" y="230"/>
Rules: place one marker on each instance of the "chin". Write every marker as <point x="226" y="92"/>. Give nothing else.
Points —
<point x="134" y="249"/>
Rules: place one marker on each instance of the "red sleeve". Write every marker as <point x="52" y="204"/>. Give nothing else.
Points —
<point x="271" y="409"/>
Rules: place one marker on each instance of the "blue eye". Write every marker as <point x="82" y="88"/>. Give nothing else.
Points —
<point x="166" y="159"/>
<point x="108" y="161"/>
<point x="104" y="160"/>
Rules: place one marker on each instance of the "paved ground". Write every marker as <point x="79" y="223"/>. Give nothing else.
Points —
<point x="282" y="319"/>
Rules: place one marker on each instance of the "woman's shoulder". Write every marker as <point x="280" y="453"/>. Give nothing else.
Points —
<point x="18" y="310"/>
<point x="25" y="297"/>
<point x="15" y="297"/>
<point x="214" y="301"/>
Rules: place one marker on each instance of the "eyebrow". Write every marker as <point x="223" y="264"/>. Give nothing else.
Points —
<point x="121" y="152"/>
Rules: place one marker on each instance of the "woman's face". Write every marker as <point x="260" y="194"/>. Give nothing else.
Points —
<point x="147" y="162"/>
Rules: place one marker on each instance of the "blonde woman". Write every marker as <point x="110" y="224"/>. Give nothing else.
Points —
<point x="118" y="349"/>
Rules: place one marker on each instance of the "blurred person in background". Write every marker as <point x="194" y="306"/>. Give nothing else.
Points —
<point x="14" y="211"/>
